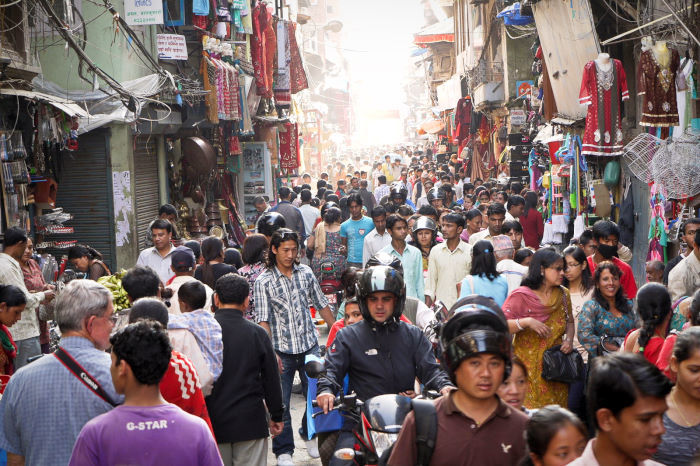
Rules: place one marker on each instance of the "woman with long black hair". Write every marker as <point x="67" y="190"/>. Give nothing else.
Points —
<point x="483" y="278"/>
<point x="213" y="266"/>
<point x="88" y="260"/>
<point x="608" y="314"/>
<point x="654" y="309"/>
<point x="532" y="222"/>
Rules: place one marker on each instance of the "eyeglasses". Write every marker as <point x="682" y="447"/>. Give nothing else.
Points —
<point x="577" y="264"/>
<point x="558" y="269"/>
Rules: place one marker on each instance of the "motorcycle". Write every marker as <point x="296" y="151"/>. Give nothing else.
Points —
<point x="330" y="285"/>
<point x="377" y="421"/>
<point x="432" y="330"/>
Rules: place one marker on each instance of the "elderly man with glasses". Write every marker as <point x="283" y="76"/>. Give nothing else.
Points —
<point x="47" y="403"/>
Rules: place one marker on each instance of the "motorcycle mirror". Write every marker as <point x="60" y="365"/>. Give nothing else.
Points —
<point x="346" y="454"/>
<point x="314" y="367"/>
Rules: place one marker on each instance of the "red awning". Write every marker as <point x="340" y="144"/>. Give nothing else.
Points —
<point x="444" y="31"/>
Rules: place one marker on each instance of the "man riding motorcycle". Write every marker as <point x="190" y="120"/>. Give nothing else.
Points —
<point x="381" y="354"/>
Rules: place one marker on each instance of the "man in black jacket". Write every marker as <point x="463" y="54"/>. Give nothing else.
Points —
<point x="249" y="377"/>
<point x="381" y="354"/>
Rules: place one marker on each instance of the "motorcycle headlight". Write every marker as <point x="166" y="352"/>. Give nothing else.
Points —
<point x="382" y="441"/>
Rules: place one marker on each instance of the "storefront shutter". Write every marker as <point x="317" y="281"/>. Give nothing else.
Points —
<point x="145" y="185"/>
<point x="85" y="191"/>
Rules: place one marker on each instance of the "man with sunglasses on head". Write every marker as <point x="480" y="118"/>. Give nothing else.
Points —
<point x="283" y="295"/>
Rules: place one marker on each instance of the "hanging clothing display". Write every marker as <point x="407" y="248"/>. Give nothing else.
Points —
<point x="684" y="87"/>
<point x="657" y="84"/>
<point x="297" y="74"/>
<point x="601" y="91"/>
<point x="263" y="49"/>
<point x="283" y="96"/>
<point x="208" y="72"/>
<point x="289" y="147"/>
<point x="463" y="118"/>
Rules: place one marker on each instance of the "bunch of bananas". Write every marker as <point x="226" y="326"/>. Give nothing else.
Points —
<point x="114" y="284"/>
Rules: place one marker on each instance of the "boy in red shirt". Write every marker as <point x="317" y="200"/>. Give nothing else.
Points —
<point x="606" y="236"/>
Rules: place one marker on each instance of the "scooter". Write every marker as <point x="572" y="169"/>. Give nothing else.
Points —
<point x="377" y="421"/>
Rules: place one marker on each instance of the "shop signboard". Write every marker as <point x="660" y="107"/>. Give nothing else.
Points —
<point x="143" y="12"/>
<point x="171" y="47"/>
<point x="517" y="117"/>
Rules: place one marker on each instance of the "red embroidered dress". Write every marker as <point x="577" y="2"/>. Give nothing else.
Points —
<point x="601" y="92"/>
<point x="658" y="86"/>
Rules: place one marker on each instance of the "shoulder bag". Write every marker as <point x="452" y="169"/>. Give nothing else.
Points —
<point x="82" y="374"/>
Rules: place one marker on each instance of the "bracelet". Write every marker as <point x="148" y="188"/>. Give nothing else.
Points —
<point x="517" y="323"/>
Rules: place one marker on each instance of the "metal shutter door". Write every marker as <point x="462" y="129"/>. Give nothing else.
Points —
<point x="85" y="191"/>
<point x="145" y="185"/>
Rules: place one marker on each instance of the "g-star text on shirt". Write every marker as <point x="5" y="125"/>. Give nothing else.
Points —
<point x="147" y="425"/>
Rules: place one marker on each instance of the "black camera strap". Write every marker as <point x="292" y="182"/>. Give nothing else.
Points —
<point x="81" y="374"/>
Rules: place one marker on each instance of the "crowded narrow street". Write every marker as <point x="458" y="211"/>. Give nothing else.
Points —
<point x="334" y="232"/>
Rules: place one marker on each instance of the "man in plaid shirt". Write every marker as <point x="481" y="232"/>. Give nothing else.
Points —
<point x="283" y="295"/>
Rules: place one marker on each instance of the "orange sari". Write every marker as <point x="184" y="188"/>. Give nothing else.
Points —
<point x="530" y="347"/>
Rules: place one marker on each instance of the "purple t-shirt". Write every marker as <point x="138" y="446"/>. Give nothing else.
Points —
<point x="145" y="435"/>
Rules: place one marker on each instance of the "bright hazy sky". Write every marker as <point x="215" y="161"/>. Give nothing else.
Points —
<point x="378" y="38"/>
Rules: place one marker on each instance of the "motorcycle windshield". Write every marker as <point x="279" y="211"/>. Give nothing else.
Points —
<point x="387" y="412"/>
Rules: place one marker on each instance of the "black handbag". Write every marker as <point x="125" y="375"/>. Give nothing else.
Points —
<point x="560" y="367"/>
<point x="609" y="345"/>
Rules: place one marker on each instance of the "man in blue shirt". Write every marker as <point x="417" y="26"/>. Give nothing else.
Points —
<point x="354" y="230"/>
<point x="411" y="258"/>
<point x="45" y="405"/>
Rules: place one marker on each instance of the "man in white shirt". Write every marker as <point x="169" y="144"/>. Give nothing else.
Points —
<point x="377" y="239"/>
<point x="159" y="256"/>
<point x="495" y="215"/>
<point x="504" y="251"/>
<point x="516" y="207"/>
<point x="26" y="330"/>
<point x="308" y="212"/>
<point x="684" y="279"/>
<point x="183" y="263"/>
<point x="448" y="263"/>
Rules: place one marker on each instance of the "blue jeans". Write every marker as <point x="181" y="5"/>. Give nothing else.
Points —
<point x="577" y="396"/>
<point x="291" y="363"/>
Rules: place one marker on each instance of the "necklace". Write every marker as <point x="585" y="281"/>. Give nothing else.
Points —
<point x="680" y="413"/>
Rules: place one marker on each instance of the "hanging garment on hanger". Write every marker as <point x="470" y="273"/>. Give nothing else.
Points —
<point x="658" y="86"/>
<point x="602" y="91"/>
<point x="283" y="96"/>
<point x="297" y="75"/>
<point x="626" y="222"/>
<point x="683" y="97"/>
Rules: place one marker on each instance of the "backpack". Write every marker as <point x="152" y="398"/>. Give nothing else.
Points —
<point x="426" y="432"/>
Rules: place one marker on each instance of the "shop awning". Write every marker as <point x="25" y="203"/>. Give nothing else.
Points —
<point x="431" y="127"/>
<point x="65" y="105"/>
<point x="444" y="31"/>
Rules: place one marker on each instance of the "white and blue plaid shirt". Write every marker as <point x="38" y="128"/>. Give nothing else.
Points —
<point x="284" y="304"/>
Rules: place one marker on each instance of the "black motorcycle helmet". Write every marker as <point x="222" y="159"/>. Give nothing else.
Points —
<point x="381" y="278"/>
<point x="435" y="193"/>
<point x="270" y="222"/>
<point x="475" y="325"/>
<point x="384" y="258"/>
<point x="398" y="191"/>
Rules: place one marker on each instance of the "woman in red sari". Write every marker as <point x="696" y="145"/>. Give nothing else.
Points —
<point x="654" y="308"/>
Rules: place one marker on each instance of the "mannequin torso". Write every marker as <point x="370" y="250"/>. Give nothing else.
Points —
<point x="662" y="54"/>
<point x="603" y="62"/>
